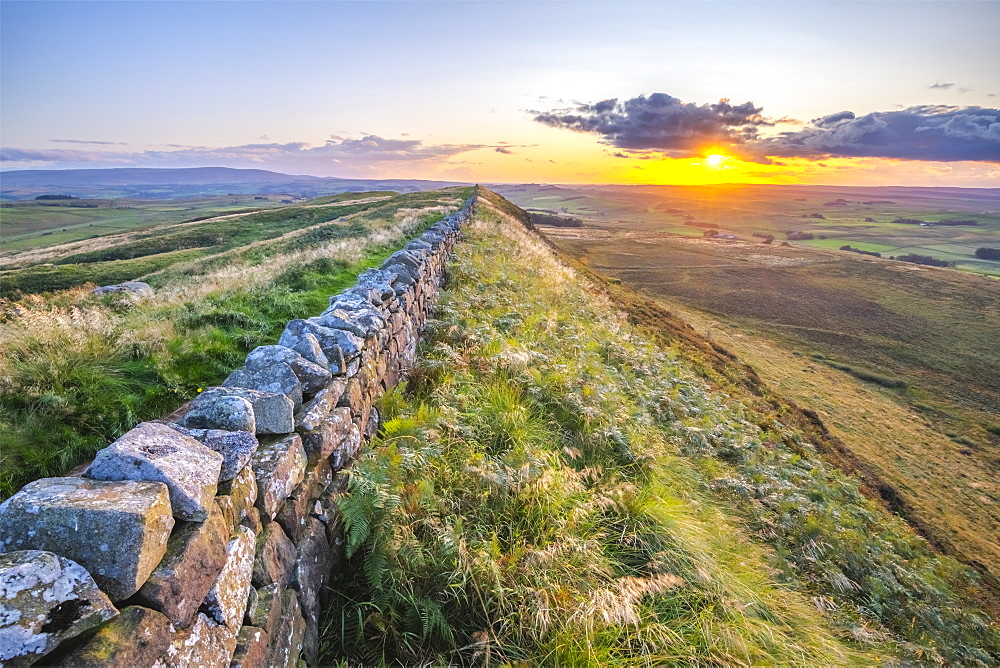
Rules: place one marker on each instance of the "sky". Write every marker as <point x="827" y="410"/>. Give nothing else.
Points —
<point x="859" y="92"/>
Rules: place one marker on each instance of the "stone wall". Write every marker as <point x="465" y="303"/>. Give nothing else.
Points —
<point x="207" y="538"/>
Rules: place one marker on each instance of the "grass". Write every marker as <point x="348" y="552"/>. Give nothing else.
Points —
<point x="555" y="487"/>
<point x="80" y="370"/>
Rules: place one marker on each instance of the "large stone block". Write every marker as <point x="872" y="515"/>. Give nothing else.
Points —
<point x="116" y="530"/>
<point x="139" y="637"/>
<point x="274" y="561"/>
<point x="315" y="411"/>
<point x="335" y="343"/>
<point x="302" y="502"/>
<point x="44" y="600"/>
<point x="321" y="442"/>
<point x="308" y="346"/>
<point x="226" y="602"/>
<point x="155" y="452"/>
<point x="279" y="465"/>
<point x="220" y="411"/>
<point x="241" y="493"/>
<point x="286" y="641"/>
<point x="251" y="648"/>
<point x="265" y="612"/>
<point x="313" y="566"/>
<point x="277" y="378"/>
<point x="347" y="449"/>
<point x="207" y="644"/>
<point x="236" y="447"/>
<point x="196" y="553"/>
<point x="273" y="412"/>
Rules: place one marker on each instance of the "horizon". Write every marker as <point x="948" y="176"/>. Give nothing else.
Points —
<point x="812" y="93"/>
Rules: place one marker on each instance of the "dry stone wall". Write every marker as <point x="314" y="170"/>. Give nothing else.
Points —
<point x="208" y="538"/>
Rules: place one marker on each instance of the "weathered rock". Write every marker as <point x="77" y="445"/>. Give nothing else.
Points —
<point x="308" y="346"/>
<point x="314" y="412"/>
<point x="220" y="411"/>
<point x="242" y="491"/>
<point x="266" y="610"/>
<point x="226" y="602"/>
<point x="116" y="530"/>
<point x="301" y="503"/>
<point x="44" y="600"/>
<point x="236" y="447"/>
<point x="311" y="375"/>
<point x="277" y="379"/>
<point x="274" y="561"/>
<point x="155" y="452"/>
<point x="196" y="553"/>
<point x="313" y="566"/>
<point x="139" y="637"/>
<point x="286" y="641"/>
<point x="320" y="443"/>
<point x="373" y="423"/>
<point x="253" y="521"/>
<point x="279" y="465"/>
<point x="335" y="343"/>
<point x="137" y="288"/>
<point x="206" y="644"/>
<point x="251" y="648"/>
<point x="347" y="448"/>
<point x="273" y="412"/>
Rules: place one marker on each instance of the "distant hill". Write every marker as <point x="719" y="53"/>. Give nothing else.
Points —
<point x="151" y="183"/>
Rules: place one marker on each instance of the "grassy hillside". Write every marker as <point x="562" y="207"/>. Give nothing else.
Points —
<point x="558" y="485"/>
<point x="923" y="418"/>
<point x="79" y="370"/>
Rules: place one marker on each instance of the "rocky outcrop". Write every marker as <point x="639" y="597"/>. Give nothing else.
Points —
<point x="218" y="529"/>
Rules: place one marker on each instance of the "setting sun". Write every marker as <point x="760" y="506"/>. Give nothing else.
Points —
<point x="715" y="160"/>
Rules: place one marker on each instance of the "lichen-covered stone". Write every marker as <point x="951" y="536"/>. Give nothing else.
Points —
<point x="226" y="602"/>
<point x="44" y="600"/>
<point x="206" y="644"/>
<point x="155" y="452"/>
<point x="347" y="449"/>
<point x="308" y="346"/>
<point x="236" y="447"/>
<point x="277" y="378"/>
<point x="265" y="612"/>
<point x="196" y="553"/>
<point x="273" y="412"/>
<point x="116" y="530"/>
<point x="313" y="565"/>
<point x="301" y="503"/>
<point x="138" y="637"/>
<point x="333" y="342"/>
<point x="279" y="465"/>
<point x="315" y="411"/>
<point x="242" y="492"/>
<point x="220" y="411"/>
<point x="274" y="561"/>
<point x="312" y="375"/>
<point x="286" y="640"/>
<point x="251" y="648"/>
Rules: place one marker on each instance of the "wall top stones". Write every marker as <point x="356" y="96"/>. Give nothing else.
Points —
<point x="216" y="529"/>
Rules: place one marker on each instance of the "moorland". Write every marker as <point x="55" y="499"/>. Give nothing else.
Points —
<point x="898" y="360"/>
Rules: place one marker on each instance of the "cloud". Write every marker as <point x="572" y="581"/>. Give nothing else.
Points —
<point x="84" y="141"/>
<point x="941" y="86"/>
<point x="504" y="150"/>
<point x="370" y="154"/>
<point x="661" y="123"/>
<point x="926" y="132"/>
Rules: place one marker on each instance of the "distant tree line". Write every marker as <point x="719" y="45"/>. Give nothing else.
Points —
<point x="858" y="250"/>
<point x="555" y="221"/>
<point x="988" y="253"/>
<point x="48" y="197"/>
<point x="950" y="222"/>
<point x="799" y="236"/>
<point x="924" y="259"/>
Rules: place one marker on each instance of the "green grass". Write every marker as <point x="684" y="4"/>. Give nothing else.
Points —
<point x="81" y="370"/>
<point x="552" y="487"/>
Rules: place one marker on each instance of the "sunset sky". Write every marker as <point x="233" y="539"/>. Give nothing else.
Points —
<point x="865" y="93"/>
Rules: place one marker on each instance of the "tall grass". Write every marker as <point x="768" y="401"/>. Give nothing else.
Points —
<point x="77" y="371"/>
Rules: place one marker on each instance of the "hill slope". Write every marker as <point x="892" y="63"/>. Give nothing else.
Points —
<point x="556" y="485"/>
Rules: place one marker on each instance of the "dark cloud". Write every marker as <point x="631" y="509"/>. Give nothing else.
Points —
<point x="927" y="132"/>
<point x="502" y="149"/>
<point x="941" y="86"/>
<point x="84" y="141"/>
<point x="662" y="123"/>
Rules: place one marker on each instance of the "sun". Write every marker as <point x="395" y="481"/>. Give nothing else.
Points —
<point x="715" y="160"/>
